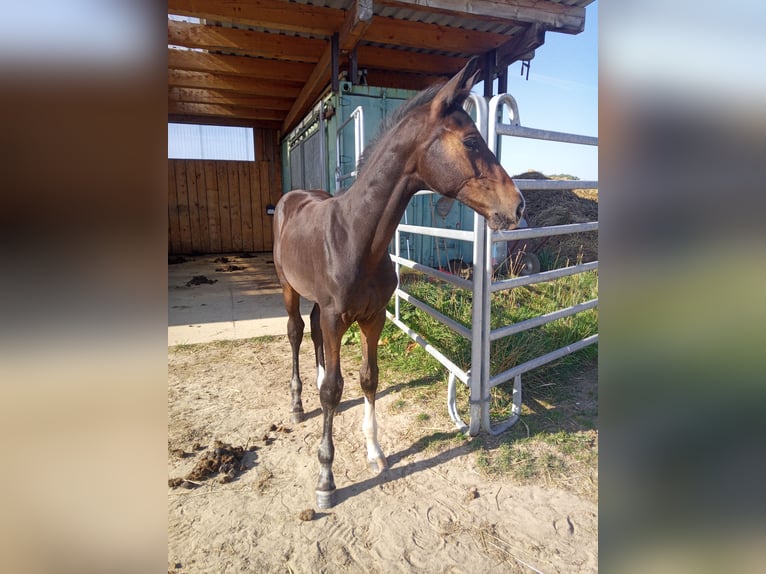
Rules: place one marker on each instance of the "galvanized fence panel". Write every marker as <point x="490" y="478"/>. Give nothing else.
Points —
<point x="478" y="377"/>
<point x="489" y="381"/>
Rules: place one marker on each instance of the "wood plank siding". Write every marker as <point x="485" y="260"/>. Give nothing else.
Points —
<point x="220" y="206"/>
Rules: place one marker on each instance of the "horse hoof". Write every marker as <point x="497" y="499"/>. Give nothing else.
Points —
<point x="378" y="465"/>
<point x="297" y="417"/>
<point x="325" y="499"/>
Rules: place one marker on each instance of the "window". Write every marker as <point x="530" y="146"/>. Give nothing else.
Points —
<point x="191" y="141"/>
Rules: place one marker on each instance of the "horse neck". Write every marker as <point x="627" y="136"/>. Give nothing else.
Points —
<point x="381" y="193"/>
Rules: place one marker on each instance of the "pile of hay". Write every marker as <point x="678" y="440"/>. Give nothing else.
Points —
<point x="545" y="208"/>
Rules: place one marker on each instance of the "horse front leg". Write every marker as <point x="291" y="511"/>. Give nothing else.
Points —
<point x="330" y="392"/>
<point x="368" y="377"/>
<point x="295" y="326"/>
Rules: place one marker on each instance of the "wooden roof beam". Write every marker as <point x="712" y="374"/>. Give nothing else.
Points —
<point x="219" y="121"/>
<point x="190" y="95"/>
<point x="273" y="14"/>
<point x="422" y="35"/>
<point x="222" y="110"/>
<point x="406" y="61"/>
<point x="247" y="42"/>
<point x="238" y="65"/>
<point x="554" y="16"/>
<point x="225" y="82"/>
<point x="390" y="79"/>
<point x="357" y="20"/>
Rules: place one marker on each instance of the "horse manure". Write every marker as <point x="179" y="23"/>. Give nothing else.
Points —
<point x="221" y="260"/>
<point x="306" y="515"/>
<point x="229" y="269"/>
<point x="472" y="493"/>
<point x="200" y="280"/>
<point x="179" y="453"/>
<point x="180" y="482"/>
<point x="223" y="462"/>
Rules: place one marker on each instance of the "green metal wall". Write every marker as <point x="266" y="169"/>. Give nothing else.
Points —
<point x="378" y="104"/>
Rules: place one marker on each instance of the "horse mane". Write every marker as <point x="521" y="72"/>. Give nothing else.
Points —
<point x="419" y="99"/>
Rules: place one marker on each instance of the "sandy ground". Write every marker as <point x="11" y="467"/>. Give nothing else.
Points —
<point x="433" y="511"/>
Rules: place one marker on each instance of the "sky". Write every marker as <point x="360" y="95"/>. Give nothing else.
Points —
<point x="561" y="95"/>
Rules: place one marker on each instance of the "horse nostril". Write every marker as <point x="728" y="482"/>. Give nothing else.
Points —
<point x="520" y="210"/>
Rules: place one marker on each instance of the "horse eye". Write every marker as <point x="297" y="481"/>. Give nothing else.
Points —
<point x="472" y="144"/>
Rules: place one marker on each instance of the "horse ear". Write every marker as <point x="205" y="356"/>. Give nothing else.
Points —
<point x="456" y="90"/>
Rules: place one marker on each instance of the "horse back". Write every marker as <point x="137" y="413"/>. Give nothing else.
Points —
<point x="299" y="221"/>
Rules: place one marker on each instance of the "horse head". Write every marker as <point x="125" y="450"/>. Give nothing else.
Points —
<point x="453" y="159"/>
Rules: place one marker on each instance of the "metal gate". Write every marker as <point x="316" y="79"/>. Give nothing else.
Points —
<point x="306" y="153"/>
<point x="478" y="377"/>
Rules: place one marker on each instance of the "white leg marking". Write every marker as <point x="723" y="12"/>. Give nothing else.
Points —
<point x="320" y="376"/>
<point x="370" y="431"/>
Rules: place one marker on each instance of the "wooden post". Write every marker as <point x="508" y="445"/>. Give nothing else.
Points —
<point x="488" y="72"/>
<point x="502" y="80"/>
<point x="335" y="62"/>
<point x="353" y="70"/>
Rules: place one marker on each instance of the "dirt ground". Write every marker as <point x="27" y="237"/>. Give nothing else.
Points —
<point x="433" y="511"/>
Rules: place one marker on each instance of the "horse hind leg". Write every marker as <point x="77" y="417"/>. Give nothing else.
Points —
<point x="295" y="326"/>
<point x="368" y="377"/>
<point x="316" y="337"/>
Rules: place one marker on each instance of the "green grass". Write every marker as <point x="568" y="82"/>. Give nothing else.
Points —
<point x="555" y="442"/>
<point x="507" y="307"/>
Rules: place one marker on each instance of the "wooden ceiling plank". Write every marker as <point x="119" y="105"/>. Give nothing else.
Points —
<point x="391" y="79"/>
<point x="219" y="121"/>
<point x="405" y="61"/>
<point x="555" y="16"/>
<point x="272" y="14"/>
<point x="186" y="108"/>
<point x="189" y="95"/>
<point x="239" y="84"/>
<point x="247" y="42"/>
<point x="238" y="65"/>
<point x="425" y="36"/>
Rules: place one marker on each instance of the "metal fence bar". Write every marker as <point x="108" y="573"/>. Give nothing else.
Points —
<point x="532" y="133"/>
<point x="431" y="272"/>
<point x="477" y="312"/>
<point x="433" y="351"/>
<point x="542" y="277"/>
<point x="451" y="323"/>
<point x="501" y="378"/>
<point x="541" y="320"/>
<point x="549" y="231"/>
<point x="554" y="184"/>
<point x="437" y="232"/>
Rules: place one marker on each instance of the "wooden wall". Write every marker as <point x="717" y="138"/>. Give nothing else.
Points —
<point x="220" y="206"/>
